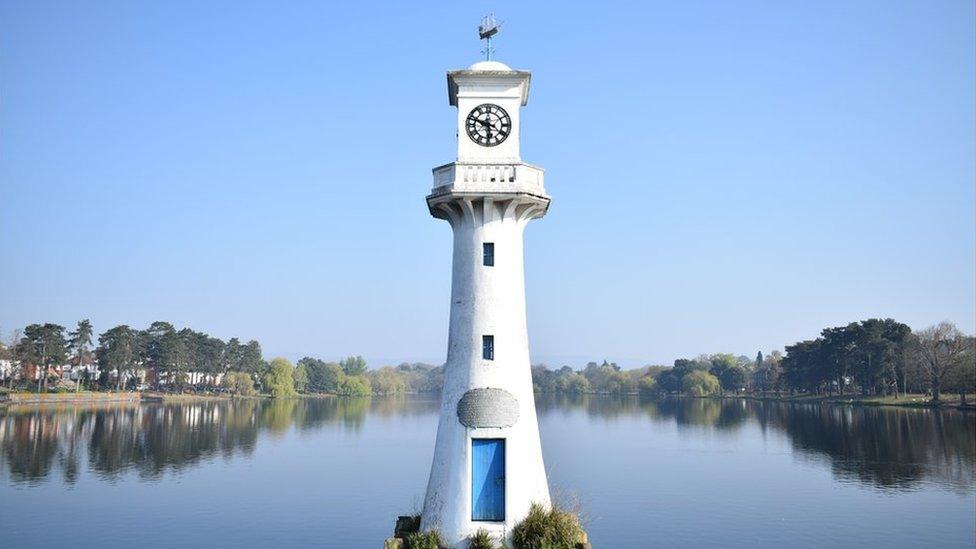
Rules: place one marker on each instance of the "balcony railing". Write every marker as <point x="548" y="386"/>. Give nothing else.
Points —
<point x="502" y="178"/>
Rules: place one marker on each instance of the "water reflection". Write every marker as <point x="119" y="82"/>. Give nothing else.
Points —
<point x="885" y="447"/>
<point x="152" y="439"/>
<point x="888" y="448"/>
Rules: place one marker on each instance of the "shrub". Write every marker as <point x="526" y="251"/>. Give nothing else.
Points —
<point x="551" y="528"/>
<point x="431" y="539"/>
<point x="481" y="540"/>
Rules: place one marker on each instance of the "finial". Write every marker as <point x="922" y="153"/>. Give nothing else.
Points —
<point x="489" y="27"/>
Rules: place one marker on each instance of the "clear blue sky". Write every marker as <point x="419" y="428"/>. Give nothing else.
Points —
<point x="727" y="176"/>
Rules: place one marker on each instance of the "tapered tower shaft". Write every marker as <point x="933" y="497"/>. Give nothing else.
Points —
<point x="488" y="467"/>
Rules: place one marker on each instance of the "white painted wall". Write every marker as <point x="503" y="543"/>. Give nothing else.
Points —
<point x="486" y="301"/>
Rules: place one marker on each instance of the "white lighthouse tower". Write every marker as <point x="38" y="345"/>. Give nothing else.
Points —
<point x="487" y="467"/>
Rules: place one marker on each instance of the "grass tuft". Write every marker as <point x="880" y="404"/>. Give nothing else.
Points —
<point x="551" y="528"/>
<point x="481" y="540"/>
<point x="431" y="539"/>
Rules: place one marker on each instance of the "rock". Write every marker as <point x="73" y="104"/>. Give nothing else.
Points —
<point x="406" y="525"/>
<point x="393" y="543"/>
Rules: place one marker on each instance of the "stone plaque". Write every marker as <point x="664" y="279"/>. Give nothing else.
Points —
<point x="488" y="408"/>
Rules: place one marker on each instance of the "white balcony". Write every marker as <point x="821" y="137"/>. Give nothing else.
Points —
<point x="488" y="178"/>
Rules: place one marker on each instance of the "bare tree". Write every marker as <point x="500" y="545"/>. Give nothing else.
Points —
<point x="15" y="366"/>
<point x="940" y="348"/>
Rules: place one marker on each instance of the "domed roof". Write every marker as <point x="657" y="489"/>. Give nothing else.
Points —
<point x="489" y="66"/>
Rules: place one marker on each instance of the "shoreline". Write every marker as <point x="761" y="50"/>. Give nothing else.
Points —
<point x="951" y="402"/>
<point x="909" y="401"/>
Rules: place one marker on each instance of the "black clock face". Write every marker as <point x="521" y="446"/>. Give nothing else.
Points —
<point x="488" y="125"/>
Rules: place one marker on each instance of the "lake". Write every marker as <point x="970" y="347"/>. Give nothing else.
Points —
<point x="335" y="472"/>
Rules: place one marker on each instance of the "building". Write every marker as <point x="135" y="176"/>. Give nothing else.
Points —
<point x="487" y="468"/>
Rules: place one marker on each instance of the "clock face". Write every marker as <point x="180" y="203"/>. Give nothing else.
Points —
<point x="488" y="125"/>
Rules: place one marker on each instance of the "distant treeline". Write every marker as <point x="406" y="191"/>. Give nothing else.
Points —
<point x="871" y="357"/>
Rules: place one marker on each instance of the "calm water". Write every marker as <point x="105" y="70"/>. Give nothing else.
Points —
<point x="336" y="472"/>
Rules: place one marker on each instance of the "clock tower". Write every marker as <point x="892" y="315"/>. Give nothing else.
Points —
<point x="487" y="468"/>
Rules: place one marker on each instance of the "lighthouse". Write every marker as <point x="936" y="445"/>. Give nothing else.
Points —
<point x="487" y="468"/>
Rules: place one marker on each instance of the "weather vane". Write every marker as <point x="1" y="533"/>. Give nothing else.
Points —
<point x="489" y="27"/>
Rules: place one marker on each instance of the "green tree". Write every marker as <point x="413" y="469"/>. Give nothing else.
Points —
<point x="648" y="385"/>
<point x="158" y="349"/>
<point x="766" y="376"/>
<point x="669" y="381"/>
<point x="252" y="360"/>
<point x="280" y="380"/>
<point x="44" y="346"/>
<point x="209" y="353"/>
<point x="387" y="381"/>
<point x="354" y="386"/>
<point x="232" y="356"/>
<point x="239" y="383"/>
<point x="322" y="377"/>
<point x="79" y="342"/>
<point x="301" y="378"/>
<point x="118" y="350"/>
<point x="353" y="365"/>
<point x="729" y="373"/>
<point x="700" y="383"/>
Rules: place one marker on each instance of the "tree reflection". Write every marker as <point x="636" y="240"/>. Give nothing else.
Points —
<point x="889" y="448"/>
<point x="153" y="439"/>
<point x="885" y="447"/>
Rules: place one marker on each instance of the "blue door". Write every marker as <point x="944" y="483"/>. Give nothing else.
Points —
<point x="488" y="479"/>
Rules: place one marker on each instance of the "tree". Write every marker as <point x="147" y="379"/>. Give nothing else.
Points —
<point x="239" y="383"/>
<point x="648" y="385"/>
<point x="322" y="377"/>
<point x="209" y="353"/>
<point x="300" y="376"/>
<point x="802" y="366"/>
<point x="669" y="381"/>
<point x="280" y="380"/>
<point x="730" y="375"/>
<point x="700" y="383"/>
<point x="79" y="342"/>
<point x="118" y="349"/>
<point x="734" y="379"/>
<point x="354" y="386"/>
<point x="252" y="360"/>
<point x="44" y="346"/>
<point x="182" y="350"/>
<point x="766" y="376"/>
<point x="607" y="378"/>
<point x="353" y="365"/>
<point x="387" y="381"/>
<point x="940" y="349"/>
<point x="232" y="356"/>
<point x="158" y="351"/>
<point x="577" y="384"/>
<point x="961" y="378"/>
<point x="16" y="364"/>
